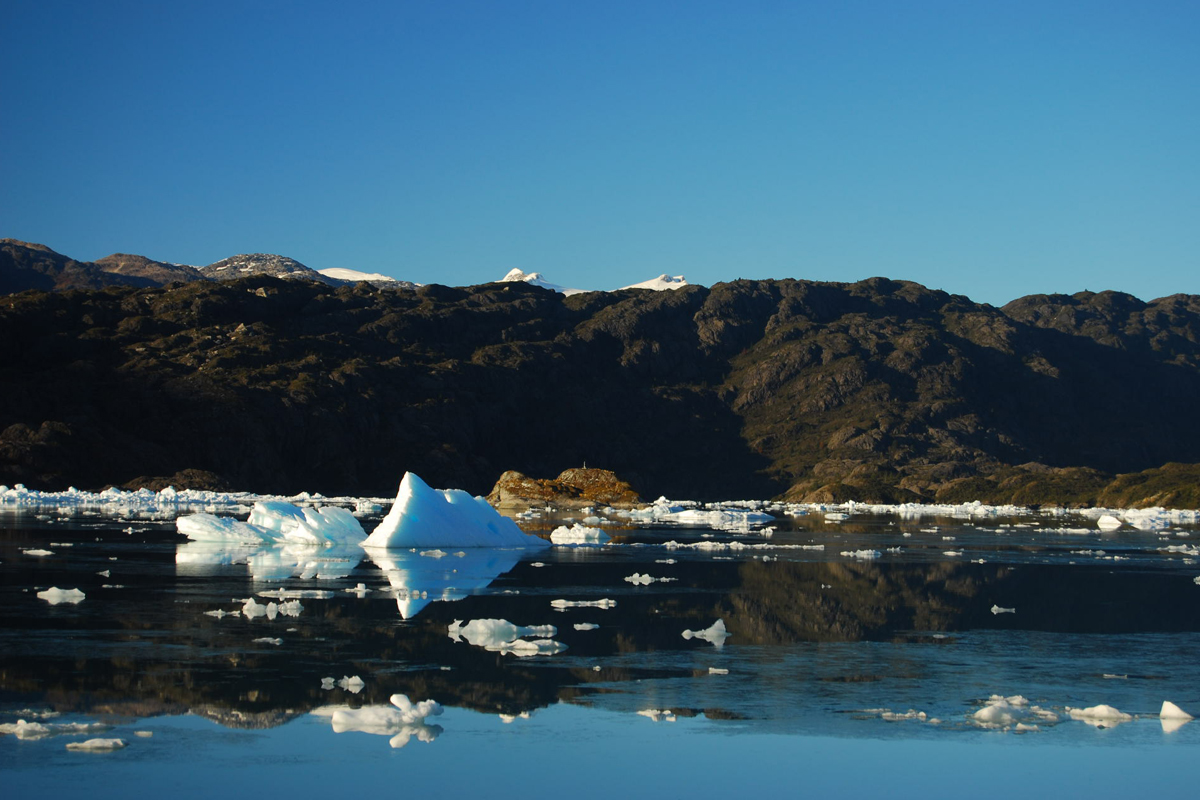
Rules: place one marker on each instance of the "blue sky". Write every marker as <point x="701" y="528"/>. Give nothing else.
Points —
<point x="992" y="149"/>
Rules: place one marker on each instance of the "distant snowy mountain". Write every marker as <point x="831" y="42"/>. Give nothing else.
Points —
<point x="661" y="283"/>
<point x="375" y="278"/>
<point x="535" y="278"/>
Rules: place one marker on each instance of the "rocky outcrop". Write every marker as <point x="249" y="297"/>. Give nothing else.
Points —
<point x="574" y="488"/>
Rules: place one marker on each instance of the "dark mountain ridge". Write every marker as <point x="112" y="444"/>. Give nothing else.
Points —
<point x="875" y="390"/>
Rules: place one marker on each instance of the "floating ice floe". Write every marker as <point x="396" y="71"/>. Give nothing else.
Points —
<point x="717" y="671"/>
<point x="998" y="610"/>
<point x="586" y="626"/>
<point x="54" y="595"/>
<point x="97" y="745"/>
<point x="657" y="714"/>
<point x="35" y="551"/>
<point x="402" y="720"/>
<point x="252" y="609"/>
<point x="502" y="636"/>
<point x="1011" y="713"/>
<point x="1101" y="716"/>
<point x="1108" y="522"/>
<point x="423" y="517"/>
<point x="721" y="520"/>
<point x="715" y="633"/>
<point x="565" y="604"/>
<point x="861" y="554"/>
<point x="578" y="534"/>
<point x="637" y="579"/>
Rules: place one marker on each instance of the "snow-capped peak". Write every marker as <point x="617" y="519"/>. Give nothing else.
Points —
<point x="535" y="278"/>
<point x="661" y="283"/>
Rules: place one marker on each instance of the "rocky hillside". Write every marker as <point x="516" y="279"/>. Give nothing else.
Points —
<point x="877" y="390"/>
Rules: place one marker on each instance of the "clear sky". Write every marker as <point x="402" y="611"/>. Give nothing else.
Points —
<point x="993" y="148"/>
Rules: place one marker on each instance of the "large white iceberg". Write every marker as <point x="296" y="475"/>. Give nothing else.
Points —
<point x="425" y="517"/>
<point x="276" y="521"/>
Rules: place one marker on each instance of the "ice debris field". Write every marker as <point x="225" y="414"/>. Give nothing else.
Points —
<point x="446" y="546"/>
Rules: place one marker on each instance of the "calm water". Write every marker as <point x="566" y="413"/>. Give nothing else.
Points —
<point x="841" y="674"/>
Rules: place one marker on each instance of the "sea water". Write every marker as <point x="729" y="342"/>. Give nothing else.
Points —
<point x="863" y="655"/>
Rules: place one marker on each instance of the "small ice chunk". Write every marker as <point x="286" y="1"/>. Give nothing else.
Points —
<point x="353" y="685"/>
<point x="37" y="552"/>
<point x="143" y="734"/>
<point x="531" y="647"/>
<point x="97" y="745"/>
<point x="658" y="715"/>
<point x="715" y="633"/>
<point x="586" y="626"/>
<point x="54" y="596"/>
<point x="717" y="671"/>
<point x="999" y="610"/>
<point x="952" y="552"/>
<point x="1108" y="523"/>
<point x="1101" y="716"/>
<point x="328" y="684"/>
<point x="105" y="573"/>
<point x="268" y="640"/>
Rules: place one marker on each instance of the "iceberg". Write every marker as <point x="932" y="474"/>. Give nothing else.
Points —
<point x="426" y="518"/>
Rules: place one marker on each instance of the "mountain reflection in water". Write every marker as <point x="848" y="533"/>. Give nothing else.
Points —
<point x="815" y="634"/>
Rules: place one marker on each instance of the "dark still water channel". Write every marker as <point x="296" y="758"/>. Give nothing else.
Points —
<point x="931" y="657"/>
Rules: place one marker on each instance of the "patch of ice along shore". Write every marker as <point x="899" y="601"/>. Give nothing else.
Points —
<point x="274" y="521"/>
<point x="578" y="534"/>
<point x="424" y="517"/>
<point x="23" y="729"/>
